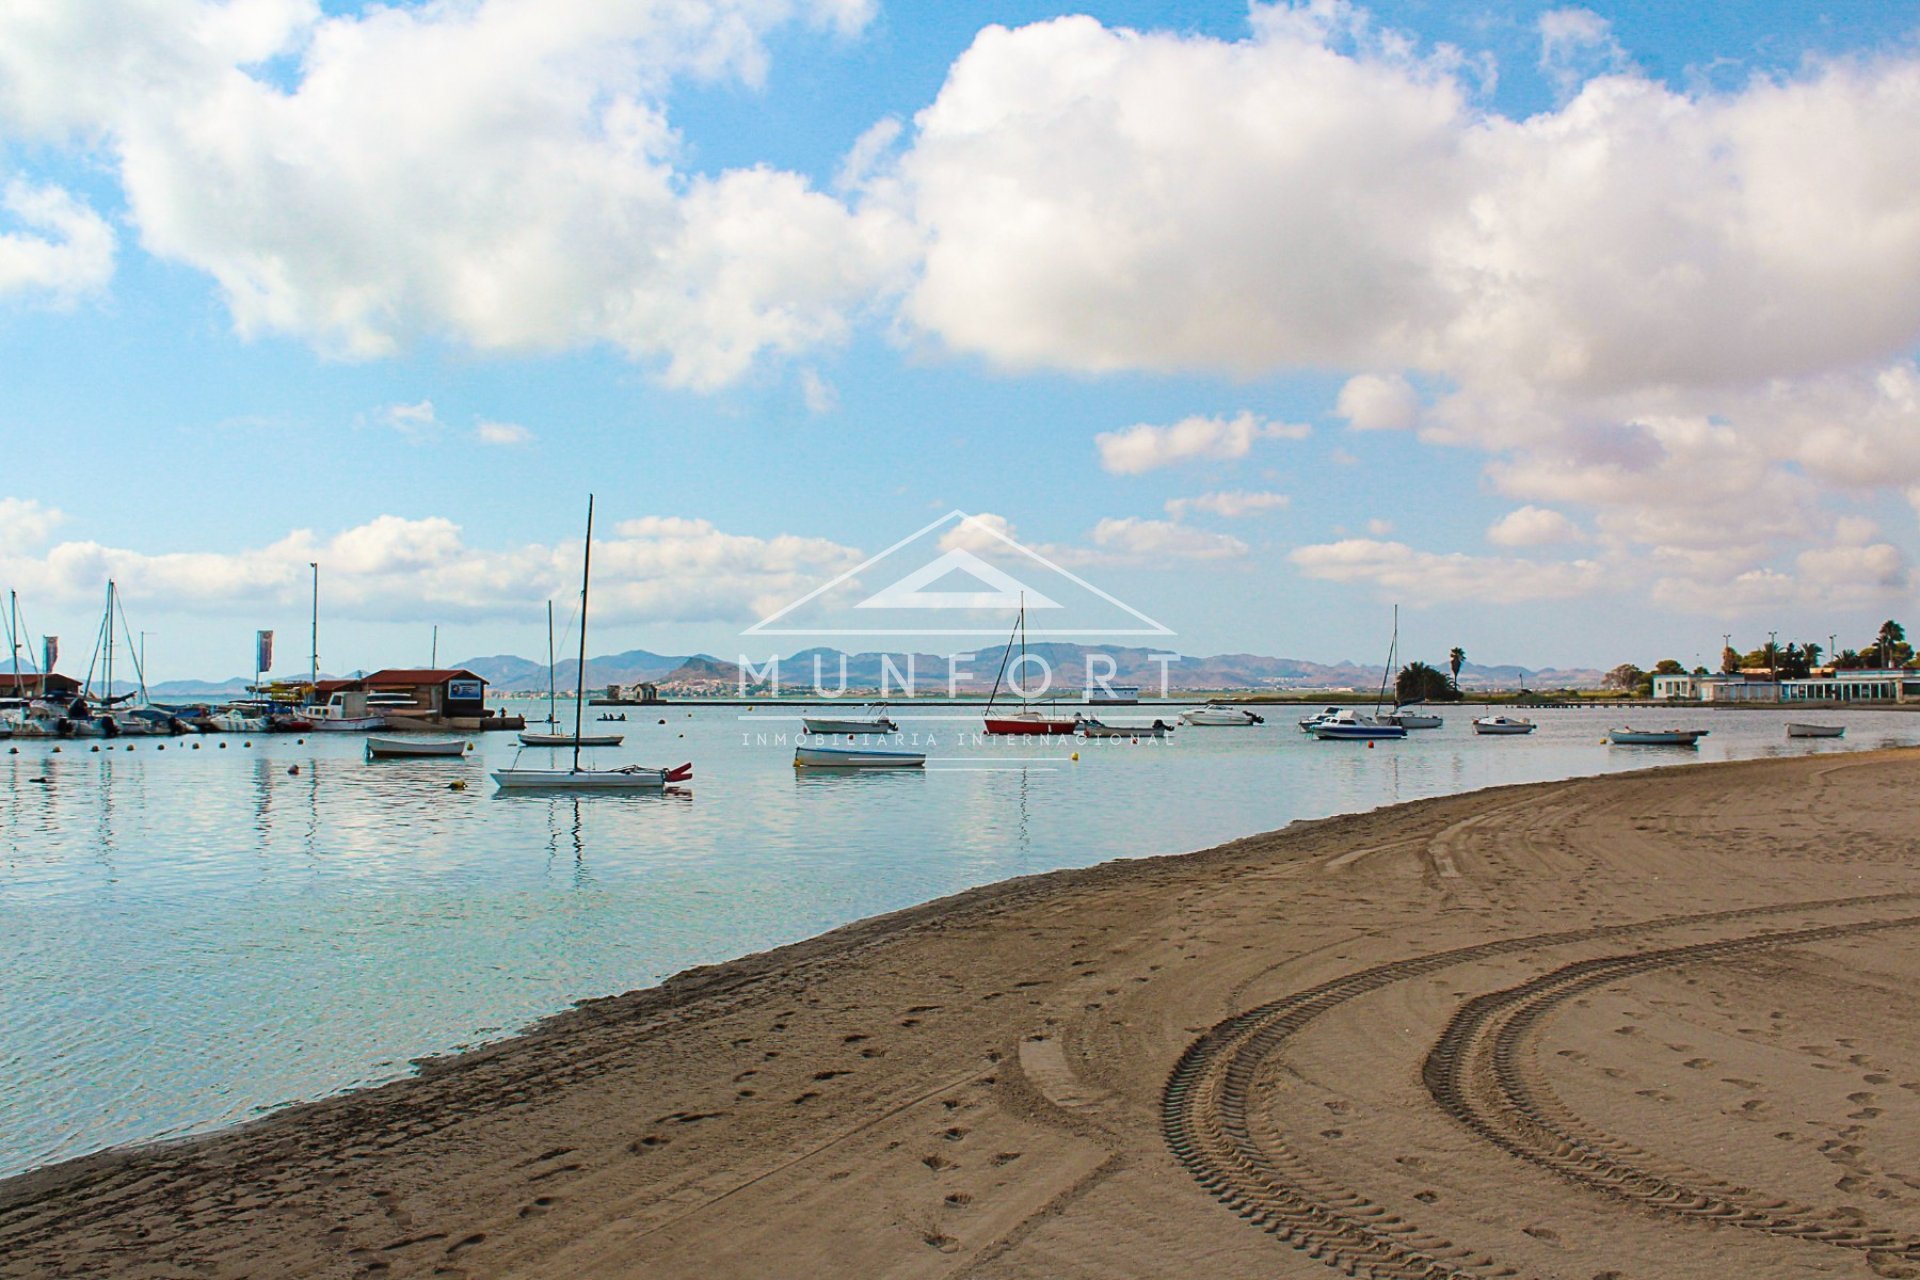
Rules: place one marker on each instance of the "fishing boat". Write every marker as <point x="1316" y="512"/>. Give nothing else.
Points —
<point x="1221" y="715"/>
<point x="1091" y="728"/>
<point x="631" y="777"/>
<point x="410" y="747"/>
<point x="1655" y="737"/>
<point x="576" y="738"/>
<point x="1497" y="726"/>
<point x="1027" y="723"/>
<point x="856" y="758"/>
<point x="874" y="721"/>
<point x="1349" y="725"/>
<point x="1815" y="730"/>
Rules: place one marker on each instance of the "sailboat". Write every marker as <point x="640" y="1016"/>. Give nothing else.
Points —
<point x="565" y="739"/>
<point x="1348" y="725"/>
<point x="1029" y="722"/>
<point x="631" y="777"/>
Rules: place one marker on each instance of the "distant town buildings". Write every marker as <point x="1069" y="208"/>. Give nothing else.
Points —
<point x="1894" y="685"/>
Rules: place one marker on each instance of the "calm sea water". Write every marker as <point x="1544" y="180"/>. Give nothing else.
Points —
<point x="193" y="937"/>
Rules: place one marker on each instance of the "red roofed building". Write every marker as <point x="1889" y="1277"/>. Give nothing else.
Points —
<point x="450" y="693"/>
<point x="29" y="684"/>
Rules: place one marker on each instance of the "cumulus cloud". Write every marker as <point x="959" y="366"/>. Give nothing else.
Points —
<point x="25" y="523"/>
<point x="1402" y="573"/>
<point x="1532" y="526"/>
<point x="396" y="568"/>
<point x="66" y="250"/>
<point x="500" y="174"/>
<point x="1575" y="46"/>
<point x="1229" y="504"/>
<point x="1137" y="539"/>
<point x="503" y="433"/>
<point x="1370" y="402"/>
<point x="1145" y="447"/>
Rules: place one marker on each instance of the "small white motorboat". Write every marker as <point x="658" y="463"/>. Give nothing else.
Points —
<point x="568" y="739"/>
<point x="872" y="721"/>
<point x="1307" y="722"/>
<point x="856" y="758"/>
<point x="1655" y="737"/>
<point x="411" y="748"/>
<point x="1221" y="715"/>
<point x="1408" y="719"/>
<point x="237" y="722"/>
<point x="1815" y="730"/>
<point x="1349" y="725"/>
<point x="1088" y="727"/>
<point x="1495" y="726"/>
<point x="632" y="777"/>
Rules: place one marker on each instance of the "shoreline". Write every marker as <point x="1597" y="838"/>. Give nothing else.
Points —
<point x="745" y="1109"/>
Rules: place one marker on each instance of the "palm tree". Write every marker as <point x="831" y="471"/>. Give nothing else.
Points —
<point x="1456" y="660"/>
<point x="1891" y="635"/>
<point x="1418" y="682"/>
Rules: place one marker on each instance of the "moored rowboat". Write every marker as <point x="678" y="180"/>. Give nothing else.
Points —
<point x="1655" y="737"/>
<point x="856" y="758"/>
<point x="567" y="739"/>
<point x="1495" y="726"/>
<point x="1815" y="730"/>
<point x="410" y="747"/>
<point x="632" y="778"/>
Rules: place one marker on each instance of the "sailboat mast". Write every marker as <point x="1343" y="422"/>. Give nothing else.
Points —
<point x="13" y="636"/>
<point x="552" y="714"/>
<point x="108" y="624"/>
<point x="580" y="683"/>
<point x="313" y="637"/>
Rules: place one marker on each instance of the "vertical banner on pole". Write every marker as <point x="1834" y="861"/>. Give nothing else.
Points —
<point x="263" y="651"/>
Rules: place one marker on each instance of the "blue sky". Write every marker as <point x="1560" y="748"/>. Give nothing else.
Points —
<point x="1584" y="334"/>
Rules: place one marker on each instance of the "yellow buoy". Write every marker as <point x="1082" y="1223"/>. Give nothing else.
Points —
<point x="1075" y="756"/>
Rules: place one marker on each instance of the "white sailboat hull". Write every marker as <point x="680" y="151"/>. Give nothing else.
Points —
<point x="407" y="748"/>
<point x="566" y="739"/>
<point x="631" y="778"/>
<point x="846" y="758"/>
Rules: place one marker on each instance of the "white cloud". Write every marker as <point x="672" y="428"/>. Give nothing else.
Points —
<point x="1532" y="526"/>
<point x="1139" y="540"/>
<point x="1575" y="46"/>
<point x="67" y="251"/>
<point x="1229" y="504"/>
<point x="499" y="173"/>
<point x="1370" y="402"/>
<point x="503" y="433"/>
<point x="1145" y="447"/>
<point x="817" y="393"/>
<point x="395" y="568"/>
<point x="1402" y="573"/>
<point x="418" y="422"/>
<point x="25" y="523"/>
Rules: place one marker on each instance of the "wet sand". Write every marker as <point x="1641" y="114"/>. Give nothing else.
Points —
<point x="1648" y="1025"/>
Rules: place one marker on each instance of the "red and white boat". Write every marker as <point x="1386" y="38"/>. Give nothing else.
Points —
<point x="1028" y="723"/>
<point x="1032" y="723"/>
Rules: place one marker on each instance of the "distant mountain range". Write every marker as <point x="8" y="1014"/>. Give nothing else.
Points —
<point x="704" y="673"/>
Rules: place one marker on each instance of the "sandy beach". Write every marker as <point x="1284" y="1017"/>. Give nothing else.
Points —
<point x="1647" y="1025"/>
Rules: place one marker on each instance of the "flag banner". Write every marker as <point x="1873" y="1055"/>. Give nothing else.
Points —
<point x="51" y="650"/>
<point x="263" y="651"/>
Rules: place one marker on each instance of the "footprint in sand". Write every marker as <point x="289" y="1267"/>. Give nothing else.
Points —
<point x="540" y="1205"/>
<point x="1698" y="1064"/>
<point x="959" y="1200"/>
<point x="937" y="1162"/>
